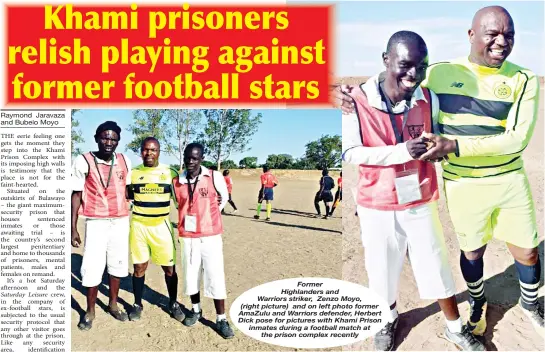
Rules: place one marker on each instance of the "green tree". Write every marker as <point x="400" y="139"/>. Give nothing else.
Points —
<point x="249" y="162"/>
<point x="209" y="164"/>
<point x="303" y="164"/>
<point x="228" y="164"/>
<point x="149" y="123"/>
<point x="176" y="167"/>
<point x="183" y="124"/>
<point x="228" y="131"/>
<point x="324" y="152"/>
<point x="77" y="137"/>
<point x="280" y="161"/>
<point x="271" y="161"/>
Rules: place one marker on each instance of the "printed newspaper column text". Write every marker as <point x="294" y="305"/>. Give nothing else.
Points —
<point x="34" y="160"/>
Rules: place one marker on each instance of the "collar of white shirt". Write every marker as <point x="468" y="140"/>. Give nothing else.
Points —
<point x="100" y="161"/>
<point x="375" y="100"/>
<point x="204" y="172"/>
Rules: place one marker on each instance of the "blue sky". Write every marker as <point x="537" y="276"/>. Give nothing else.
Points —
<point x="280" y="132"/>
<point x="363" y="29"/>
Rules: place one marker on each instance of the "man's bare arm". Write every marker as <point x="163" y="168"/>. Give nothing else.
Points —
<point x="76" y="203"/>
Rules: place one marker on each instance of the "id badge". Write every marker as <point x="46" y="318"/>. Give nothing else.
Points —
<point x="407" y="186"/>
<point x="190" y="223"/>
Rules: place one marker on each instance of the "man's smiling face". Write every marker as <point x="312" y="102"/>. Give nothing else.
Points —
<point x="492" y="37"/>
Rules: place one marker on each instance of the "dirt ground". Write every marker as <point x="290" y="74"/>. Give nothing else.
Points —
<point x="421" y="323"/>
<point x="293" y="244"/>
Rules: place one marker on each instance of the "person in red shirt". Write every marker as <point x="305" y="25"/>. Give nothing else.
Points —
<point x="99" y="189"/>
<point x="268" y="182"/>
<point x="229" y="182"/>
<point x="397" y="194"/>
<point x="338" y="194"/>
<point x="201" y="194"/>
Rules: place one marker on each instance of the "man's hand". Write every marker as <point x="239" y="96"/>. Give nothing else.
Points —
<point x="76" y="241"/>
<point x="341" y="100"/>
<point x="441" y="147"/>
<point x="416" y="147"/>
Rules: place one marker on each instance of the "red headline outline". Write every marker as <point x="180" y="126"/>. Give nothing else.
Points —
<point x="308" y="24"/>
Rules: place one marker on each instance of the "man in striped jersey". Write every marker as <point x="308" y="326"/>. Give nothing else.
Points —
<point x="152" y="236"/>
<point x="488" y="113"/>
<point x="489" y="108"/>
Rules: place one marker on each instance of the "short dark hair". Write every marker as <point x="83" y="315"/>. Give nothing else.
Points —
<point x="193" y="145"/>
<point x="405" y="37"/>
<point x="225" y="172"/>
<point x="265" y="168"/>
<point x="108" y="126"/>
<point x="325" y="172"/>
<point x="148" y="139"/>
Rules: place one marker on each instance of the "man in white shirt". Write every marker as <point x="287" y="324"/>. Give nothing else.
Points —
<point x="201" y="195"/>
<point x="99" y="181"/>
<point x="489" y="118"/>
<point x="397" y="193"/>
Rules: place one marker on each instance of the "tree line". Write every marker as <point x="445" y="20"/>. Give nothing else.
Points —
<point x="222" y="132"/>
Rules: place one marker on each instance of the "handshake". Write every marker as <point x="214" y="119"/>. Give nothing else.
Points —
<point x="430" y="147"/>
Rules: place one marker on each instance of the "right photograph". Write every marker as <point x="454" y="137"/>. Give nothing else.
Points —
<point x="442" y="149"/>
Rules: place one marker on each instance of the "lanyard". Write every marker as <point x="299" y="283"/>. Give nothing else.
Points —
<point x="399" y="136"/>
<point x="192" y="190"/>
<point x="100" y="175"/>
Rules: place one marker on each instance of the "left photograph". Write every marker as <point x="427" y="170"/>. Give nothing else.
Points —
<point x="177" y="212"/>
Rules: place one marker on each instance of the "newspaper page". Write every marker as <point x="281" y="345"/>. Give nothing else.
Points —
<point x="181" y="164"/>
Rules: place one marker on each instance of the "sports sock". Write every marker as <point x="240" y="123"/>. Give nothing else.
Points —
<point x="172" y="286"/>
<point x="221" y="317"/>
<point x="472" y="270"/>
<point x="138" y="289"/>
<point x="529" y="283"/>
<point x="269" y="209"/>
<point x="258" y="208"/>
<point x="196" y="307"/>
<point x="454" y="326"/>
<point x="327" y="210"/>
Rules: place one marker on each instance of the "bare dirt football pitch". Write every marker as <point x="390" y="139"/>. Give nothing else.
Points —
<point x="293" y="244"/>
